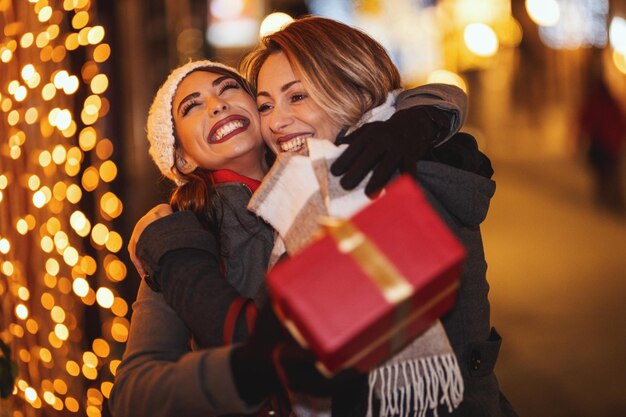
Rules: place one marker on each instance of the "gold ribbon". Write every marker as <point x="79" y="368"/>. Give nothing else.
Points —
<point x="394" y="287"/>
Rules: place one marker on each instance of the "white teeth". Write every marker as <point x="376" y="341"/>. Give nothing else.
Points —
<point x="293" y="145"/>
<point x="226" y="129"/>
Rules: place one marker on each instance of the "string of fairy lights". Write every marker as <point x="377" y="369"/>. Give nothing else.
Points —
<point x="58" y="250"/>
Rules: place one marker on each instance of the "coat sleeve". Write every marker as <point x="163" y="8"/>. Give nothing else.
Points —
<point x="443" y="96"/>
<point x="160" y="377"/>
<point x="181" y="258"/>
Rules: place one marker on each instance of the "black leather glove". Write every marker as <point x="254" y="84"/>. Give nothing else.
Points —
<point x="252" y="363"/>
<point x="386" y="147"/>
<point x="296" y="368"/>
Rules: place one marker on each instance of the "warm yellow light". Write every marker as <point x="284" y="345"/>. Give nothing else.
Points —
<point x="119" y="307"/>
<point x="15" y="151"/>
<point x="80" y="287"/>
<point x="42" y="39"/>
<point x="90" y="359"/>
<point x="102" y="52"/>
<point x="61" y="331"/>
<point x="59" y="190"/>
<point x="447" y="77"/>
<point x="104" y="297"/>
<point x="95" y="35"/>
<point x="481" y="39"/>
<point x="70" y="256"/>
<point x="32" y="326"/>
<point x="101" y="348"/>
<point x="47" y="244"/>
<point x="20" y="93"/>
<point x="48" y="91"/>
<point x="106" y="388"/>
<point x="7" y="268"/>
<point x="57" y="314"/>
<point x="13" y="118"/>
<point x="78" y="220"/>
<point x="544" y="12"/>
<point x="53" y="225"/>
<point x="108" y="171"/>
<point x="5" y="246"/>
<point x="100" y="234"/>
<point x="23" y="293"/>
<point x="72" y="368"/>
<point x="31" y="115"/>
<point x="27" y="40"/>
<point x="80" y="20"/>
<point x="274" y="22"/>
<point x="104" y="149"/>
<point x="620" y="61"/>
<point x="31" y="222"/>
<point x="119" y="332"/>
<point x="45" y="14"/>
<point x="58" y="54"/>
<point x="5" y="55"/>
<point x="21" y="226"/>
<point x="59" y="154"/>
<point x="45" y="355"/>
<point x="52" y="266"/>
<point x="59" y="78"/>
<point x="63" y="119"/>
<point x="74" y="156"/>
<point x="45" y="158"/>
<point x="87" y="138"/>
<point x="71" y="42"/>
<point x="53" y="31"/>
<point x="70" y="86"/>
<point x="4" y="181"/>
<point x="72" y="405"/>
<point x="88" y="265"/>
<point x="30" y="394"/>
<point x="90" y="179"/>
<point x="21" y="311"/>
<point x="74" y="193"/>
<point x="99" y="84"/>
<point x="114" y="242"/>
<point x="61" y="240"/>
<point x="60" y="386"/>
<point x="113" y="366"/>
<point x="27" y="72"/>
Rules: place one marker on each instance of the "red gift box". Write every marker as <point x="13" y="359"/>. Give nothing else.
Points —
<point x="370" y="284"/>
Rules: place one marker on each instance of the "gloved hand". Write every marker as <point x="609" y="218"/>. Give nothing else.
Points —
<point x="252" y="363"/>
<point x="296" y="368"/>
<point x="389" y="146"/>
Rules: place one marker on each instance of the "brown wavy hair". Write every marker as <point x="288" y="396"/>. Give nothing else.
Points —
<point x="344" y="70"/>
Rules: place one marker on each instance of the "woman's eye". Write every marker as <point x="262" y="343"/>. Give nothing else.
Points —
<point x="264" y="107"/>
<point x="188" y="106"/>
<point x="297" y="97"/>
<point x="228" y="85"/>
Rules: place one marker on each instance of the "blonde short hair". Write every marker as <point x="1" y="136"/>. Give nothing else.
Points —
<point x="345" y="71"/>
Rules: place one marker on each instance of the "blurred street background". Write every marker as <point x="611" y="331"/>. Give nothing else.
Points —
<point x="546" y="80"/>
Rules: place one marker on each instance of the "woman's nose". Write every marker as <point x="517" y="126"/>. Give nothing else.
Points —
<point x="217" y="107"/>
<point x="280" y="118"/>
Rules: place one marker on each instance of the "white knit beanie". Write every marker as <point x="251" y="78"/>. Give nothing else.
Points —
<point x="160" y="124"/>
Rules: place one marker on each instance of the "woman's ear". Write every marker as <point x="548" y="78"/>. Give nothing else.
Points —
<point x="184" y="166"/>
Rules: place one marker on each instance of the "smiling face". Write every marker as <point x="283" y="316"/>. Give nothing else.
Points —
<point x="288" y="114"/>
<point x="217" y="124"/>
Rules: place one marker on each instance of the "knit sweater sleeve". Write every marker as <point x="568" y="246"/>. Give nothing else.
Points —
<point x="181" y="259"/>
<point x="160" y="377"/>
<point x="443" y="96"/>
